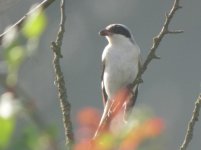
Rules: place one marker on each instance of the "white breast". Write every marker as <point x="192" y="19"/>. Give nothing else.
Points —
<point x="121" y="66"/>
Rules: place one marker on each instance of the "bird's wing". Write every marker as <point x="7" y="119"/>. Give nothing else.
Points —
<point x="133" y="98"/>
<point x="104" y="94"/>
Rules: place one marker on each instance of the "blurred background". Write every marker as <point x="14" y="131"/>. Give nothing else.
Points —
<point x="171" y="84"/>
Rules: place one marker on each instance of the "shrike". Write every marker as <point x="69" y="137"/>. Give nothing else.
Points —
<point x="121" y="61"/>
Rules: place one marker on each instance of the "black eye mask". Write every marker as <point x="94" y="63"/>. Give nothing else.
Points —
<point x="118" y="29"/>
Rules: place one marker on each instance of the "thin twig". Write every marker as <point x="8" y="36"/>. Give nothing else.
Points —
<point x="44" y="4"/>
<point x="191" y="124"/>
<point x="60" y="83"/>
<point x="157" y="40"/>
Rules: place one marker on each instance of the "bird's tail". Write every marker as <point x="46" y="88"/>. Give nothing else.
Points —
<point x="123" y="102"/>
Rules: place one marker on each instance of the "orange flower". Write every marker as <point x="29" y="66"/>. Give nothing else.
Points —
<point x="149" y="128"/>
<point x="85" y="144"/>
<point x="88" y="120"/>
<point x="89" y="117"/>
<point x="153" y="127"/>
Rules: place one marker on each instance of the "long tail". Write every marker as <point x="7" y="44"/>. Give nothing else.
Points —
<point x="123" y="102"/>
<point x="104" y="122"/>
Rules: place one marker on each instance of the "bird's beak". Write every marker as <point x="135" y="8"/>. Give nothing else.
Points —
<point x="105" y="32"/>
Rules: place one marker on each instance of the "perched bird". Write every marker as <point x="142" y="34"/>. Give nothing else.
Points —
<point x="121" y="62"/>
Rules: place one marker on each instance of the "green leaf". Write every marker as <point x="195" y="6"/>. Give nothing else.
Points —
<point x="15" y="56"/>
<point x="35" y="24"/>
<point x="11" y="79"/>
<point x="106" y="141"/>
<point x="32" y="135"/>
<point x="27" y="139"/>
<point x="6" y="130"/>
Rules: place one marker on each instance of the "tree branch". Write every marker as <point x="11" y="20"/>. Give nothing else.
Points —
<point x="44" y="4"/>
<point x="60" y="83"/>
<point x="191" y="124"/>
<point x="156" y="42"/>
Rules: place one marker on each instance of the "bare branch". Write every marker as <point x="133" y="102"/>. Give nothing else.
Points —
<point x="156" y="41"/>
<point x="44" y="4"/>
<point x="60" y="83"/>
<point x="191" y="124"/>
<point x="175" y="31"/>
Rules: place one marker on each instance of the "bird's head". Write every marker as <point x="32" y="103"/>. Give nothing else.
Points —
<point x="117" y="33"/>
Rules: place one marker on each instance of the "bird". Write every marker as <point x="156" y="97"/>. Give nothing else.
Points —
<point x="121" y="62"/>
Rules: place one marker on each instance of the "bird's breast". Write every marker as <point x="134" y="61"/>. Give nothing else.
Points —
<point x="120" y="69"/>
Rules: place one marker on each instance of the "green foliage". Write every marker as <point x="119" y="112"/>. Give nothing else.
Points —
<point x="35" y="24"/>
<point x="14" y="52"/>
<point x="18" y="46"/>
<point x="6" y="130"/>
<point x="32" y="138"/>
<point x="14" y="57"/>
<point x="26" y="140"/>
